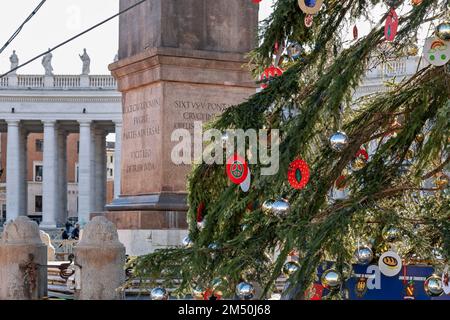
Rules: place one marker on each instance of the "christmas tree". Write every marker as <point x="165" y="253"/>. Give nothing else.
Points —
<point x="386" y="155"/>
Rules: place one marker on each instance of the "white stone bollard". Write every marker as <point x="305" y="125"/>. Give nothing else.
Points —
<point x="21" y="253"/>
<point x="51" y="252"/>
<point x="101" y="258"/>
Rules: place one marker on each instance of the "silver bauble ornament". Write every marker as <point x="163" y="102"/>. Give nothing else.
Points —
<point x="294" y="50"/>
<point x="290" y="268"/>
<point x="245" y="291"/>
<point x="391" y="234"/>
<point x="159" y="294"/>
<point x="433" y="286"/>
<point x="267" y="206"/>
<point x="364" y="255"/>
<point x="281" y="208"/>
<point x="339" y="141"/>
<point x="331" y="279"/>
<point x="443" y="31"/>
<point x="187" y="242"/>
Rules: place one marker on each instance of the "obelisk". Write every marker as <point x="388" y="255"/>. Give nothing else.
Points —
<point x="179" y="62"/>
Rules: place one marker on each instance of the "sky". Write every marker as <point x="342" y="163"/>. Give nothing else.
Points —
<point x="58" y="20"/>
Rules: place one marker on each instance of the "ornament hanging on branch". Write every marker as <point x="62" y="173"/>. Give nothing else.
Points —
<point x="355" y="32"/>
<point x="159" y="294"/>
<point x="245" y="291"/>
<point x="416" y="2"/>
<point x="309" y="20"/>
<point x="443" y="31"/>
<point x="390" y="264"/>
<point x="436" y="51"/>
<point x="310" y="6"/>
<point x="201" y="221"/>
<point x="433" y="286"/>
<point x="294" y="51"/>
<point x="237" y="169"/>
<point x="446" y="280"/>
<point x="364" y="255"/>
<point x="339" y="141"/>
<point x="268" y="74"/>
<point x="391" y="26"/>
<point x="278" y="208"/>
<point x="290" y="268"/>
<point x="187" y="242"/>
<point x="360" y="160"/>
<point x="298" y="174"/>
<point x="331" y="279"/>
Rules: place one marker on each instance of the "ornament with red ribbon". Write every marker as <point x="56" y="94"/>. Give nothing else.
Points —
<point x="200" y="211"/>
<point x="298" y="174"/>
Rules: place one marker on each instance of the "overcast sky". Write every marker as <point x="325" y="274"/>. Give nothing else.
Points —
<point x="58" y="20"/>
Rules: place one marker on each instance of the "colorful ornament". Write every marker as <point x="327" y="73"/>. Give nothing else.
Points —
<point x="441" y="181"/>
<point x="364" y="255"/>
<point x="256" y="1"/>
<point x="390" y="263"/>
<point x="443" y="31"/>
<point x="416" y="2"/>
<point x="339" y="141"/>
<point x="331" y="279"/>
<point x="411" y="50"/>
<point x="290" y="268"/>
<point x="360" y="160"/>
<point x="245" y="291"/>
<point x="391" y="26"/>
<point x="436" y="51"/>
<point x="309" y="20"/>
<point x="433" y="286"/>
<point x="310" y="6"/>
<point x="361" y="287"/>
<point x="268" y="74"/>
<point x="237" y="169"/>
<point x="159" y="294"/>
<point x="298" y="174"/>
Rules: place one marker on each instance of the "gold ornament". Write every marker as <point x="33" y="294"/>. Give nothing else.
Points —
<point x="420" y="137"/>
<point x="412" y="50"/>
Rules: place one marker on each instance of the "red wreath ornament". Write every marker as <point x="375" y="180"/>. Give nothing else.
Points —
<point x="298" y="174"/>
<point x="270" y="72"/>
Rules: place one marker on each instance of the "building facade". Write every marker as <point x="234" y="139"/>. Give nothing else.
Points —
<point x="54" y="154"/>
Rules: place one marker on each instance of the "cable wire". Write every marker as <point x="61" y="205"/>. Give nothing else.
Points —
<point x="16" y="33"/>
<point x="73" y="38"/>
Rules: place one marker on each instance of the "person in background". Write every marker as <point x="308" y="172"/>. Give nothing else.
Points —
<point x="67" y="231"/>
<point x="76" y="232"/>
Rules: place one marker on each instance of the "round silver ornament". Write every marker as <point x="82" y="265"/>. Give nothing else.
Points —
<point x="443" y="31"/>
<point x="294" y="51"/>
<point x="331" y="279"/>
<point x="159" y="294"/>
<point x="364" y="255"/>
<point x="245" y="291"/>
<point x="339" y="141"/>
<point x="290" y="268"/>
<point x="391" y="234"/>
<point x="433" y="286"/>
<point x="267" y="206"/>
<point x="281" y="208"/>
<point x="187" y="242"/>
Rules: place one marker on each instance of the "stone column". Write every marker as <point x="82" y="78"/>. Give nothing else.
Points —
<point x="23" y="185"/>
<point x="62" y="177"/>
<point x="102" y="259"/>
<point x="50" y="191"/>
<point x="21" y="250"/>
<point x="117" y="158"/>
<point x="15" y="163"/>
<point x="84" y="173"/>
<point x="100" y="171"/>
